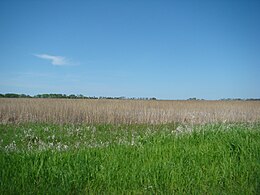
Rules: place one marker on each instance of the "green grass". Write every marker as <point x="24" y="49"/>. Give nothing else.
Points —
<point x="130" y="159"/>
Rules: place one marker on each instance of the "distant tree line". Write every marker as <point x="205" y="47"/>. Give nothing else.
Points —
<point x="240" y="99"/>
<point x="14" y="95"/>
<point x="64" y="96"/>
<point x="230" y="99"/>
<point x="80" y="96"/>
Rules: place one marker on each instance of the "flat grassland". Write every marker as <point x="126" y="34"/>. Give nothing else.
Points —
<point x="53" y="146"/>
<point x="64" y="111"/>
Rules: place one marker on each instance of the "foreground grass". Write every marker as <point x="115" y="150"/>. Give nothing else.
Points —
<point x="124" y="159"/>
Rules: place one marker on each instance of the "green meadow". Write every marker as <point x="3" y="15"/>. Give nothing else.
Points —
<point x="130" y="159"/>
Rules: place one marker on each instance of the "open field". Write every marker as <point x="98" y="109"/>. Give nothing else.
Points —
<point x="130" y="159"/>
<point x="62" y="111"/>
<point x="55" y="146"/>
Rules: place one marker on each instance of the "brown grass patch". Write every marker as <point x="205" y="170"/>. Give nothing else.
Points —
<point x="126" y="111"/>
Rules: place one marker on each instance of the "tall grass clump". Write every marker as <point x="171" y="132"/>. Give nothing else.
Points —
<point x="130" y="159"/>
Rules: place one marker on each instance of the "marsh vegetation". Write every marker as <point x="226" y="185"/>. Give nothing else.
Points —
<point x="123" y="146"/>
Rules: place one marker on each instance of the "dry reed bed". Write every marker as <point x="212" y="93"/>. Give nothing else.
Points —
<point x="62" y="111"/>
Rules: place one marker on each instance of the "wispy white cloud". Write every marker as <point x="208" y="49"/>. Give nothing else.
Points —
<point x="55" y="60"/>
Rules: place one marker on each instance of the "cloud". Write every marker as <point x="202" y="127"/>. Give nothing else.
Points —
<point x="55" y="60"/>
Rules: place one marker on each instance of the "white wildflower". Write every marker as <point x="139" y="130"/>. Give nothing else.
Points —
<point x="11" y="147"/>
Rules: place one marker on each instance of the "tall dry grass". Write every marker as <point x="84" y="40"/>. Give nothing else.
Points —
<point x="62" y="111"/>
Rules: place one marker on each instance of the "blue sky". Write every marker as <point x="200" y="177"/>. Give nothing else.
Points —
<point x="164" y="49"/>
